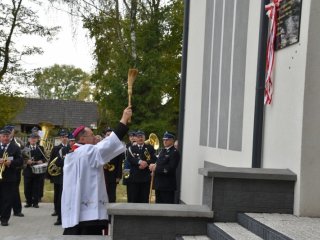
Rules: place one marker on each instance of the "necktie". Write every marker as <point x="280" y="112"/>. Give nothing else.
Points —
<point x="3" y="146"/>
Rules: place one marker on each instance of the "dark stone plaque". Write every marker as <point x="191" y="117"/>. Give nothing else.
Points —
<point x="288" y="29"/>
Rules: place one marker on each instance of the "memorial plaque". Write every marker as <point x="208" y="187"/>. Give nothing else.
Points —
<point x="288" y="29"/>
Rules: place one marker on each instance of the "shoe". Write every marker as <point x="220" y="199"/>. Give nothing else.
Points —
<point x="27" y="205"/>
<point x="57" y="223"/>
<point x="54" y="214"/>
<point x="4" y="223"/>
<point x="35" y="205"/>
<point x="19" y="214"/>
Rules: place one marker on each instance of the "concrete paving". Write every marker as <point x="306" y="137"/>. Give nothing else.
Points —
<point x="37" y="224"/>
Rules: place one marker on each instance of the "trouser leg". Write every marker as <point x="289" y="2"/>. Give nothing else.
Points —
<point x="28" y="189"/>
<point x="6" y="189"/>
<point x="16" y="204"/>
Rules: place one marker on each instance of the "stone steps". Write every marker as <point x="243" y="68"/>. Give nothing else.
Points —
<point x="230" y="231"/>
<point x="281" y="226"/>
<point x="271" y="226"/>
<point x="48" y="237"/>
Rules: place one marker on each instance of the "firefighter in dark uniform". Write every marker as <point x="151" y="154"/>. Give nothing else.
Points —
<point x="112" y="172"/>
<point x="32" y="181"/>
<point x="126" y="165"/>
<point x="10" y="159"/>
<point x="140" y="156"/>
<point x="55" y="171"/>
<point x="165" y="170"/>
<point x="16" y="204"/>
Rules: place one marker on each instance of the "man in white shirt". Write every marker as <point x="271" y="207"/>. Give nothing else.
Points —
<point x="84" y="196"/>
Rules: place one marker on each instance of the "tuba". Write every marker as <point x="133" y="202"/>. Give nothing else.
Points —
<point x="153" y="140"/>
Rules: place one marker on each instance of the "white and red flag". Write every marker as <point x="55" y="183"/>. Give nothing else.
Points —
<point x="271" y="9"/>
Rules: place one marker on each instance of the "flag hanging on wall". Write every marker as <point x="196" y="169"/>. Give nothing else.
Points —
<point x="271" y="9"/>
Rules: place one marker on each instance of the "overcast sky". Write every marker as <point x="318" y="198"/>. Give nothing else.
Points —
<point x="71" y="46"/>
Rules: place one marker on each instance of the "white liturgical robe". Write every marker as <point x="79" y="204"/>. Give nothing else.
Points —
<point x="84" y="195"/>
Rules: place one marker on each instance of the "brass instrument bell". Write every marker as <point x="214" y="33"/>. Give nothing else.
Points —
<point x="153" y="140"/>
<point x="53" y="169"/>
<point x="109" y="166"/>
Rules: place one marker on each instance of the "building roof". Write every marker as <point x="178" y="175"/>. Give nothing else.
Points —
<point x="66" y="113"/>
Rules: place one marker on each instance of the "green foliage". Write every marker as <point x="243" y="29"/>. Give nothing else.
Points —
<point x="155" y="35"/>
<point x="62" y="82"/>
<point x="18" y="19"/>
<point x="10" y="106"/>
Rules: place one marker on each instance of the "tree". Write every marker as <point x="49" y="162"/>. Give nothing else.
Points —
<point x="143" y="34"/>
<point x="10" y="106"/>
<point x="17" y="20"/>
<point x="62" y="82"/>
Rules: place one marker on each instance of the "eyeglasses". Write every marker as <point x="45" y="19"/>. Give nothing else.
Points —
<point x="88" y="136"/>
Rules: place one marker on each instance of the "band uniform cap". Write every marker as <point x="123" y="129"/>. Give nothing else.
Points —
<point x="34" y="135"/>
<point x="9" y="127"/>
<point x="34" y="129"/>
<point x="78" y="130"/>
<point x="168" y="135"/>
<point x="5" y="131"/>
<point x="71" y="137"/>
<point x="63" y="132"/>
<point x="140" y="133"/>
<point x="132" y="133"/>
<point x="108" y="129"/>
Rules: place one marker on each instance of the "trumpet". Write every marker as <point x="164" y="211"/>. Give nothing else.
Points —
<point x="3" y="165"/>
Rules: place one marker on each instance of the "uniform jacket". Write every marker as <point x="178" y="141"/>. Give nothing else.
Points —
<point x="134" y="156"/>
<point x="165" y="173"/>
<point x="37" y="155"/>
<point x="111" y="176"/>
<point x="59" y="151"/>
<point x="14" y="154"/>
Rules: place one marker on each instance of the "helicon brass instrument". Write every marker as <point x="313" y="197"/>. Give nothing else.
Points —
<point x="45" y="141"/>
<point x="3" y="165"/>
<point x="53" y="169"/>
<point x="153" y="140"/>
<point x="109" y="166"/>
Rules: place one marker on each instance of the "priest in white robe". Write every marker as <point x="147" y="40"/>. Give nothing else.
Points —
<point x="84" y="196"/>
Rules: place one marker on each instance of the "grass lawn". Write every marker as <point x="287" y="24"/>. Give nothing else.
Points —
<point x="48" y="192"/>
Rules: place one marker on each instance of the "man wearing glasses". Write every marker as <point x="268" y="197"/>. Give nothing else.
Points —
<point x="84" y="195"/>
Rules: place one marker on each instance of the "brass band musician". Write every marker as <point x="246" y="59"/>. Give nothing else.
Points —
<point x="112" y="172"/>
<point x="16" y="205"/>
<point x="140" y="156"/>
<point x="10" y="159"/>
<point x="55" y="172"/>
<point x="32" y="181"/>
